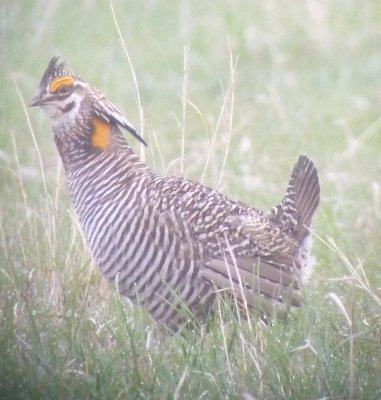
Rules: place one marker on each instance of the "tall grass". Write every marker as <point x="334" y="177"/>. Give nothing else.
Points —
<point x="229" y="96"/>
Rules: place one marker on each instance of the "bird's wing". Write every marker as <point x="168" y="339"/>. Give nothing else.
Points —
<point x="263" y="271"/>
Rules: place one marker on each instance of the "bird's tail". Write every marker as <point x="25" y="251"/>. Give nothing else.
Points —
<point x="301" y="199"/>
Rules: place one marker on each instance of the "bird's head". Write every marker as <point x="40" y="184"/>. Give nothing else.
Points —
<point x="62" y="92"/>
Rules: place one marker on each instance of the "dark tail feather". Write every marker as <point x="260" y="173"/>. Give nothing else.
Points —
<point x="301" y="199"/>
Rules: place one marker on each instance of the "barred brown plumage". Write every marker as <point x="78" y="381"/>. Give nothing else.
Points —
<point x="168" y="240"/>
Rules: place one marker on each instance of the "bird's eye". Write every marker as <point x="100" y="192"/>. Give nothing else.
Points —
<point x="63" y="90"/>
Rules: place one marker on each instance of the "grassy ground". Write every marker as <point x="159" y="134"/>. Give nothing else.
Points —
<point x="230" y="94"/>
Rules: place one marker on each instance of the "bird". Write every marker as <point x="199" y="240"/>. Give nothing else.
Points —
<point x="173" y="244"/>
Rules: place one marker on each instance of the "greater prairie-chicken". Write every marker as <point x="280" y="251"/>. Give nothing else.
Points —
<point x="167" y="240"/>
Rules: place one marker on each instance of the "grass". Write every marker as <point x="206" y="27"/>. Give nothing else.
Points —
<point x="230" y="96"/>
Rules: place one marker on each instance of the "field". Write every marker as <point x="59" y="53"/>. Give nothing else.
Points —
<point x="229" y="94"/>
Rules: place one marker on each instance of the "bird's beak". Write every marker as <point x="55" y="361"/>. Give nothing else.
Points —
<point x="35" y="101"/>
